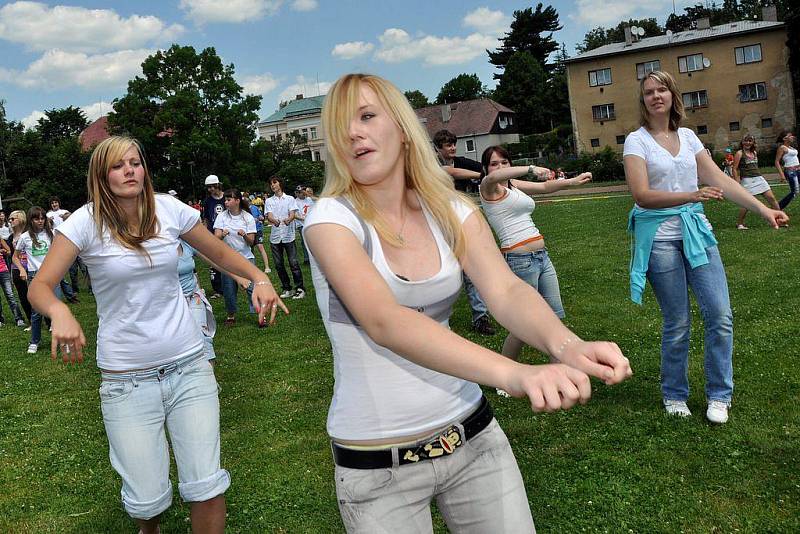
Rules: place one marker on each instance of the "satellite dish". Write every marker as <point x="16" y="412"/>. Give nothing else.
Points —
<point x="634" y="30"/>
<point x="640" y="31"/>
<point x="706" y="62"/>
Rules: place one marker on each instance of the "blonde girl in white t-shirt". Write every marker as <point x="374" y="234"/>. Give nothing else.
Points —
<point x="389" y="238"/>
<point x="155" y="376"/>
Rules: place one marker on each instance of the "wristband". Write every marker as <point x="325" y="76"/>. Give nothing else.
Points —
<point x="564" y="344"/>
<point x="261" y="283"/>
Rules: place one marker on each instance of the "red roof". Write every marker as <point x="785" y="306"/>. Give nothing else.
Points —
<point x="94" y="133"/>
<point x="471" y="117"/>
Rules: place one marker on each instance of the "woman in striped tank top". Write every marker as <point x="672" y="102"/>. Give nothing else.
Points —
<point x="746" y="172"/>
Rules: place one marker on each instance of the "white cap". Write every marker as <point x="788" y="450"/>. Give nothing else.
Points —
<point x="173" y="192"/>
<point x="212" y="179"/>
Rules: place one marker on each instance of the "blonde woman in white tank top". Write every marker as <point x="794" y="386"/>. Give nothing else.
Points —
<point x="788" y="166"/>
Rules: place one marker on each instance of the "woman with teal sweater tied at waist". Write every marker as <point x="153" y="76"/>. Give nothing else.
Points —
<point x="674" y="245"/>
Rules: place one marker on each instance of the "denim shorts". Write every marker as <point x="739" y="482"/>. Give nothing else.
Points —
<point x="537" y="270"/>
<point x="139" y="407"/>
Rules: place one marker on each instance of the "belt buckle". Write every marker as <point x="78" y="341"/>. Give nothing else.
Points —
<point x="442" y="445"/>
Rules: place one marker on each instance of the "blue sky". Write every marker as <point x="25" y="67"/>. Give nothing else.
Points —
<point x="82" y="53"/>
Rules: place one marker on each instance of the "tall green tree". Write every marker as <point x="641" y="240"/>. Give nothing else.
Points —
<point x="601" y="36"/>
<point x="192" y="118"/>
<point x="417" y="99"/>
<point x="462" y="87"/>
<point x="532" y="32"/>
<point x="62" y="123"/>
<point x="558" y="110"/>
<point x="517" y="90"/>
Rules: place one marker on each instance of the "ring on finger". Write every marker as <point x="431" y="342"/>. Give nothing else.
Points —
<point x="66" y="348"/>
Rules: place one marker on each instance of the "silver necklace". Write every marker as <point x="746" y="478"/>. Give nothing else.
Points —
<point x="399" y="234"/>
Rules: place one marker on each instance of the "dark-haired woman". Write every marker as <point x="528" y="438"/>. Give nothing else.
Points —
<point x="506" y="201"/>
<point x="237" y="228"/>
<point x="746" y="172"/>
<point x="788" y="165"/>
<point x="156" y="377"/>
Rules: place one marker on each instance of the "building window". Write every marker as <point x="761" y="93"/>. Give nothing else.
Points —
<point x="766" y="123"/>
<point x="603" y="112"/>
<point x="620" y="139"/>
<point x="690" y="63"/>
<point x="702" y="129"/>
<point x="733" y="126"/>
<point x="595" y="142"/>
<point x="317" y="156"/>
<point x="643" y="69"/>
<point x="470" y="145"/>
<point x="272" y="138"/>
<point x="695" y="99"/>
<point x="599" y="77"/>
<point x="305" y="133"/>
<point x="313" y="132"/>
<point x="748" y="54"/>
<point x="752" y="91"/>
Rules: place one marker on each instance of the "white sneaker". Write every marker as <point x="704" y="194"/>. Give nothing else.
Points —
<point x="27" y="329"/>
<point x="286" y="294"/>
<point x="717" y="412"/>
<point x="20" y="323"/>
<point x="267" y="270"/>
<point x="299" y="293"/>
<point x="33" y="348"/>
<point x="1" y="324"/>
<point x="503" y="393"/>
<point x="676" y="407"/>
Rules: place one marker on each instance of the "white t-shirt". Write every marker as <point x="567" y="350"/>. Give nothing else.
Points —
<point x="144" y="320"/>
<point x="377" y="393"/>
<point x="665" y="172"/>
<point x="234" y="223"/>
<point x="280" y="207"/>
<point x="36" y="253"/>
<point x="5" y="231"/>
<point x="56" y="217"/>
<point x="303" y="205"/>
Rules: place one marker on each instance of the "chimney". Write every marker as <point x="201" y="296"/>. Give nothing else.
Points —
<point x="298" y="97"/>
<point x="446" y="113"/>
<point x="769" y="13"/>
<point x="703" y="23"/>
<point x="628" y="36"/>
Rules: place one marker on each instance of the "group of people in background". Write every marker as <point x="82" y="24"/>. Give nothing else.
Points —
<point x="391" y="225"/>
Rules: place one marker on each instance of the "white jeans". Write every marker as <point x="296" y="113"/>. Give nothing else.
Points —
<point x="477" y="489"/>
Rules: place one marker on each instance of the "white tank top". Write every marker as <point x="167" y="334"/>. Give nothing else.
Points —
<point x="790" y="157"/>
<point x="510" y="218"/>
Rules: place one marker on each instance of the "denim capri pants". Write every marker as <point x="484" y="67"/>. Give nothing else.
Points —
<point x="138" y="408"/>
<point x="537" y="270"/>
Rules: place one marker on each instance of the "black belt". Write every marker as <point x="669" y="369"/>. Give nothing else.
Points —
<point x="443" y="444"/>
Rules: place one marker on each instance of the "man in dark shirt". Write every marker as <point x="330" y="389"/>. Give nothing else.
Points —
<point x="466" y="174"/>
<point x="213" y="205"/>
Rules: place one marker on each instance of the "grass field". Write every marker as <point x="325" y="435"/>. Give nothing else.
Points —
<point x="616" y="465"/>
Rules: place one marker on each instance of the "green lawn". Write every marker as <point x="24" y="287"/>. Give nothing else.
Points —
<point x="616" y="465"/>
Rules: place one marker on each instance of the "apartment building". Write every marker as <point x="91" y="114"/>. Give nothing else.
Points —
<point x="734" y="79"/>
<point x="302" y="116"/>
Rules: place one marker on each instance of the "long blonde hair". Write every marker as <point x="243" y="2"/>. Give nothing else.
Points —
<point x="423" y="173"/>
<point x="106" y="211"/>
<point x="19" y="214"/>
<point x="676" y="112"/>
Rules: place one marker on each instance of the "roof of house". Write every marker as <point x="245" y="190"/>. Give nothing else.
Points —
<point x="471" y="117"/>
<point x="678" y="38"/>
<point x="94" y="133"/>
<point x="302" y="106"/>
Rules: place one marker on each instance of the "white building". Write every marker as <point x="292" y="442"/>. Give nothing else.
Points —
<point x="302" y="116"/>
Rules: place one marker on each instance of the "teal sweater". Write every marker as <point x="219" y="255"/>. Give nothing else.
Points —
<point x="643" y="224"/>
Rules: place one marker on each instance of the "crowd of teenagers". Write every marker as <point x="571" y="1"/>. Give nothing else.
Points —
<point x="393" y="222"/>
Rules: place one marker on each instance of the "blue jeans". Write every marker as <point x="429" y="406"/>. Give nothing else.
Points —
<point x="138" y="408"/>
<point x="792" y="177"/>
<point x="36" y="317"/>
<point x="230" y="289"/>
<point x="5" y="283"/>
<point x="476" y="303"/>
<point x="671" y="277"/>
<point x="537" y="270"/>
<point x="278" y="250"/>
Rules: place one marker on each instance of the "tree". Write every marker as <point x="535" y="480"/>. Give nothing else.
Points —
<point x="518" y="90"/>
<point x="462" y="87"/>
<point x="600" y="36"/>
<point x="191" y="116"/>
<point x="558" y="111"/>
<point x="303" y="172"/>
<point x="526" y="35"/>
<point x="58" y="124"/>
<point x="417" y="99"/>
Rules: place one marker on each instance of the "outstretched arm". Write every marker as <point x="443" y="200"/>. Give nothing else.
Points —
<point x="636" y="177"/>
<point x="532" y="188"/>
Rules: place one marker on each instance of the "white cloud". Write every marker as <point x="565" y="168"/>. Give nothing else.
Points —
<point x="351" y="50"/>
<point x="96" y="110"/>
<point x="259" y="84"/>
<point x="489" y="22"/>
<point x="77" y="29"/>
<point x="58" y="69"/>
<point x="32" y="120"/>
<point x="397" y="46"/>
<point x="305" y="5"/>
<point x="204" y="11"/>
<point x="304" y="86"/>
<point x="607" y="13"/>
